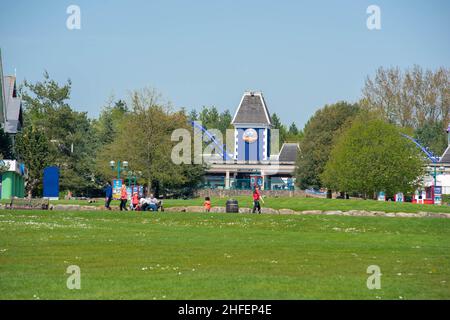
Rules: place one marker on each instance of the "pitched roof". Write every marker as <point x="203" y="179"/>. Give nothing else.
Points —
<point x="13" y="121"/>
<point x="2" y="99"/>
<point x="252" y="110"/>
<point x="446" y="156"/>
<point x="288" y="152"/>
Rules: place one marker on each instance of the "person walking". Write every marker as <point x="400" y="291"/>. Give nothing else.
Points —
<point x="123" y="198"/>
<point x="108" y="196"/>
<point x="256" y="199"/>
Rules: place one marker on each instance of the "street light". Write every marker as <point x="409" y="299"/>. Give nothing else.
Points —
<point x="120" y="166"/>
<point x="435" y="174"/>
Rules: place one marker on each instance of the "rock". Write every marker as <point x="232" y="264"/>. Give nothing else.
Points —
<point x="269" y="211"/>
<point x="286" y="211"/>
<point x="333" y="213"/>
<point x="245" y="210"/>
<point x="89" y="208"/>
<point x="175" y="209"/>
<point x="405" y="215"/>
<point x="218" y="209"/>
<point x="389" y="214"/>
<point x="66" y="207"/>
<point x="195" y="209"/>
<point x="310" y="212"/>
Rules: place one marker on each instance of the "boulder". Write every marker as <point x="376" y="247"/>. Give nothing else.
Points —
<point x="66" y="207"/>
<point x="333" y="213"/>
<point x="245" y="210"/>
<point x="218" y="209"/>
<point x="286" y="211"/>
<point x="269" y="211"/>
<point x="406" y="215"/>
<point x="195" y="209"/>
<point x="175" y="209"/>
<point x="310" y="212"/>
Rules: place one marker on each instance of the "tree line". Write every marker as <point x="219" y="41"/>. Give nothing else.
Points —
<point x="358" y="148"/>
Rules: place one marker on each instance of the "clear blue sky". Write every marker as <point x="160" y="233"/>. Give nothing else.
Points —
<point x="301" y="54"/>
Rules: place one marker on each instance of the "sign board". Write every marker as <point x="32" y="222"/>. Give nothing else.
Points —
<point x="381" y="196"/>
<point x="117" y="184"/>
<point x="438" y="195"/>
<point x="50" y="183"/>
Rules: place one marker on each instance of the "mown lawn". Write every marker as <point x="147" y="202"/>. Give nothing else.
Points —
<point x="137" y="255"/>
<point x="295" y="203"/>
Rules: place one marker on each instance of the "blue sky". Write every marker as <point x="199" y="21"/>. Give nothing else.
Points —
<point x="301" y="54"/>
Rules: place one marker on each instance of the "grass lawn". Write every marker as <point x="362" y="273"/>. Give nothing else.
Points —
<point x="137" y="255"/>
<point x="295" y="203"/>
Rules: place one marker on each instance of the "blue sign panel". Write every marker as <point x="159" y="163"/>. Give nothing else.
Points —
<point x="51" y="182"/>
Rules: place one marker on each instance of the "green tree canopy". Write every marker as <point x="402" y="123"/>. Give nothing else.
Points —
<point x="70" y="137"/>
<point x="144" y="140"/>
<point x="372" y="156"/>
<point x="320" y="133"/>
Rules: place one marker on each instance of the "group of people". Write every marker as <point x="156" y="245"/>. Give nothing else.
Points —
<point x="256" y="201"/>
<point x="137" y="203"/>
<point x="152" y="204"/>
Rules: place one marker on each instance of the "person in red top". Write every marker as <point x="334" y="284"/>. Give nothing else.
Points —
<point x="207" y="204"/>
<point x="123" y="198"/>
<point x="256" y="199"/>
<point x="135" y="201"/>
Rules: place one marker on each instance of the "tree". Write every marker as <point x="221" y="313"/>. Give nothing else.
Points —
<point x="411" y="98"/>
<point x="432" y="135"/>
<point x="144" y="140"/>
<point x="71" y="136"/>
<point x="108" y="122"/>
<point x="320" y="133"/>
<point x="6" y="148"/>
<point x="293" y="130"/>
<point x="33" y="149"/>
<point x="372" y="156"/>
<point x="276" y="124"/>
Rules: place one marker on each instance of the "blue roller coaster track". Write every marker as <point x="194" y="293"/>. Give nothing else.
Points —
<point x="425" y="150"/>
<point x="227" y="156"/>
<point x="212" y="138"/>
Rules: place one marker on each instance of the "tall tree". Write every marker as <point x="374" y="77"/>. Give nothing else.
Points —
<point x="144" y="140"/>
<point x="72" y="140"/>
<point x="410" y="98"/>
<point x="6" y="148"/>
<point x="320" y="133"/>
<point x="276" y="124"/>
<point x="33" y="148"/>
<point x="372" y="156"/>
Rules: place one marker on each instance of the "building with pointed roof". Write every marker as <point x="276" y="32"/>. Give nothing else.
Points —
<point x="254" y="156"/>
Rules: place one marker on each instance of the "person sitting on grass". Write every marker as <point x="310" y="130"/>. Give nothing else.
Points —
<point x="143" y="205"/>
<point x="207" y="204"/>
<point x="256" y="199"/>
<point x="152" y="203"/>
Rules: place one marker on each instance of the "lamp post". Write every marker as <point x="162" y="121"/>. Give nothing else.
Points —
<point x="120" y="166"/>
<point x="435" y="173"/>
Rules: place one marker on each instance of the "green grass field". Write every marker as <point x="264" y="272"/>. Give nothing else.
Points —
<point x="295" y="203"/>
<point x="137" y="255"/>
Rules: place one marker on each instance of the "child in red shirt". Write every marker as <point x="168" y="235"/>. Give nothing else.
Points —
<point x="207" y="204"/>
<point x="135" y="201"/>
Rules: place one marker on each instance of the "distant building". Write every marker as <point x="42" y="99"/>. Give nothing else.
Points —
<point x="254" y="157"/>
<point x="13" y="106"/>
<point x="12" y="181"/>
<point x="11" y="117"/>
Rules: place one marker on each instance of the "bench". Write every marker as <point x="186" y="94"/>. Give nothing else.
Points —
<point x="29" y="204"/>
